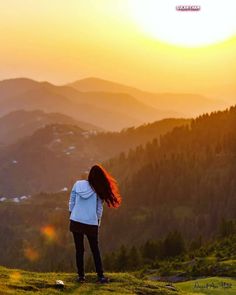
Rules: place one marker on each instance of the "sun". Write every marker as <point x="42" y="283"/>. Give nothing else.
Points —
<point x="212" y="22"/>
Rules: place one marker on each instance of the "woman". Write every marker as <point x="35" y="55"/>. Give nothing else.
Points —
<point x="86" y="207"/>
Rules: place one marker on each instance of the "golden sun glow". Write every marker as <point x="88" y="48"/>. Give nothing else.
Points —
<point x="213" y="23"/>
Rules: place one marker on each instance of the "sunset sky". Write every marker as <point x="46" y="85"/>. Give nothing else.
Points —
<point x="62" y="41"/>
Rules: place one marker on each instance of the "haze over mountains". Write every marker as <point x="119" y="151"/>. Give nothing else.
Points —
<point x="89" y="99"/>
<point x="111" y="111"/>
<point x="186" y="104"/>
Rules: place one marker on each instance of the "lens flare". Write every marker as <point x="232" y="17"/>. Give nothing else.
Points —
<point x="31" y="254"/>
<point x="49" y="233"/>
<point x="15" y="276"/>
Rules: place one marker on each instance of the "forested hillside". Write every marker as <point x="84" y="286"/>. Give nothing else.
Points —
<point x="21" y="123"/>
<point x="55" y="155"/>
<point x="186" y="181"/>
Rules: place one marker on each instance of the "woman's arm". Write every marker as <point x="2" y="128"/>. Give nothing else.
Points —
<point x="72" y="198"/>
<point x="99" y="209"/>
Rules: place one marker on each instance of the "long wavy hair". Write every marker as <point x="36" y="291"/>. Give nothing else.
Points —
<point x="105" y="186"/>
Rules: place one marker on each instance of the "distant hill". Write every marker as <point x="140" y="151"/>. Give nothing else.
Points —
<point x="56" y="154"/>
<point x="11" y="87"/>
<point x="184" y="104"/>
<point x="111" y="111"/>
<point x="19" y="124"/>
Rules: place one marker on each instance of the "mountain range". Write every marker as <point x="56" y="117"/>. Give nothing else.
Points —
<point x="107" y="105"/>
<point x="45" y="127"/>
<point x="111" y="111"/>
<point x="184" y="104"/>
<point x="174" y="174"/>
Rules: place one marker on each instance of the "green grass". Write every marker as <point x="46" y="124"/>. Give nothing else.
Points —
<point x="211" y="286"/>
<point x="24" y="282"/>
<point x="19" y="282"/>
<point x="231" y="262"/>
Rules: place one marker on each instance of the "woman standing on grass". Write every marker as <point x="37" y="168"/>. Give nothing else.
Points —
<point x="86" y="207"/>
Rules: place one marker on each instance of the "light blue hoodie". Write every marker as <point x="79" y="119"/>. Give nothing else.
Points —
<point x="85" y="205"/>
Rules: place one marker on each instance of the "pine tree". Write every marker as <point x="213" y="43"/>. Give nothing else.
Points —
<point x="174" y="244"/>
<point x="122" y="259"/>
<point x="134" y="258"/>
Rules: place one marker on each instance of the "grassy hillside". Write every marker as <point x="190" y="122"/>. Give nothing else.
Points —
<point x="13" y="281"/>
<point x="23" y="282"/>
<point x="209" y="286"/>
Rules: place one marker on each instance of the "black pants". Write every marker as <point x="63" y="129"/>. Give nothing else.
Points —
<point x="79" y="246"/>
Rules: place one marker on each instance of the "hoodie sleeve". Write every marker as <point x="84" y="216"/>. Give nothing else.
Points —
<point x="99" y="208"/>
<point x="72" y="198"/>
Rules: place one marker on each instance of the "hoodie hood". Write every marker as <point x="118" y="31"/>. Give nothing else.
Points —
<point x="84" y="189"/>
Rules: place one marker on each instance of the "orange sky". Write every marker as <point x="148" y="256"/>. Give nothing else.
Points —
<point x="62" y="41"/>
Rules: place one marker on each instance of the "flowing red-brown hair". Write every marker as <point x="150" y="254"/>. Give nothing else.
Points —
<point x="105" y="186"/>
